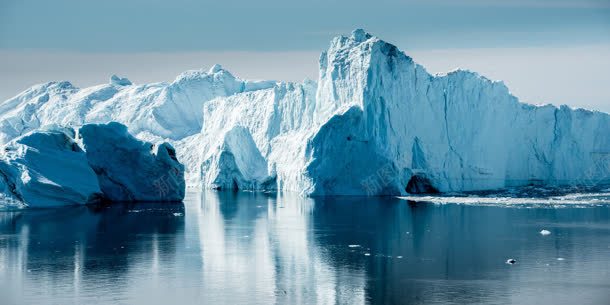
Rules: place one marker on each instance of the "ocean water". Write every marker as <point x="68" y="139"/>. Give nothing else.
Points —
<point x="253" y="248"/>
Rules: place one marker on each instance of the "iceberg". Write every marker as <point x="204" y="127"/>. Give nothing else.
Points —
<point x="129" y="169"/>
<point x="165" y="110"/>
<point x="453" y="132"/>
<point x="377" y="123"/>
<point x="47" y="168"/>
<point x="374" y="123"/>
<point x="56" y="166"/>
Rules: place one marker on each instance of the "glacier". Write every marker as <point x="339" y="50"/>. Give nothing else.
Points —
<point x="374" y="123"/>
<point x="56" y="166"/>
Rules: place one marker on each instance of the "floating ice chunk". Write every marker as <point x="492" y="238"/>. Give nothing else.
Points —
<point x="129" y="169"/>
<point x="354" y="246"/>
<point x="545" y="232"/>
<point x="47" y="168"/>
<point x="560" y="259"/>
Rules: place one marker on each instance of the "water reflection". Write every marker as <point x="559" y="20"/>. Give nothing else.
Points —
<point x="257" y="248"/>
<point x="71" y="253"/>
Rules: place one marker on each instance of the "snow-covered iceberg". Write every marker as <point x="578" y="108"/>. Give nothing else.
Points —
<point x="375" y="123"/>
<point x="56" y="166"/>
<point x="166" y="110"/>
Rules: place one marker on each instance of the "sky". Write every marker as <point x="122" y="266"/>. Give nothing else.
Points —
<point x="546" y="51"/>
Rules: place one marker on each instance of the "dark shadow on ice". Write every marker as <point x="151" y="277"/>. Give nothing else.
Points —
<point x="420" y="185"/>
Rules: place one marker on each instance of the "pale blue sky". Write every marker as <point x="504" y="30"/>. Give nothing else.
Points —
<point x="279" y="25"/>
<point x="80" y="40"/>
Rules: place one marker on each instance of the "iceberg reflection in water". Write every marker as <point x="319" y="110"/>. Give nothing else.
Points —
<point x="256" y="248"/>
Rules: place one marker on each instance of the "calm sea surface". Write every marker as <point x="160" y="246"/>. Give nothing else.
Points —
<point x="247" y="248"/>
